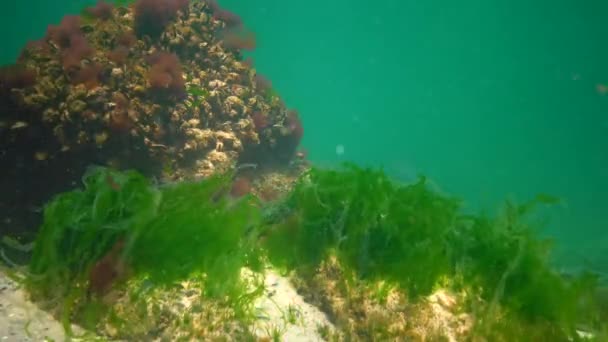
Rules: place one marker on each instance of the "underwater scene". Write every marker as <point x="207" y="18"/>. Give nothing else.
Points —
<point x="232" y="170"/>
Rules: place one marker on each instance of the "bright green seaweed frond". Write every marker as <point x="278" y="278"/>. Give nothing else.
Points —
<point x="377" y="228"/>
<point x="196" y="231"/>
<point x="172" y="233"/>
<point x="416" y="238"/>
<point x="508" y="264"/>
<point x="80" y="226"/>
<point x="404" y="235"/>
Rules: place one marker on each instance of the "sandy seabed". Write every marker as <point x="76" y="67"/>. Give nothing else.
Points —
<point x="22" y="320"/>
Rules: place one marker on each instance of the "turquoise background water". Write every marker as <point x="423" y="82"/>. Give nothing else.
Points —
<point x="492" y="100"/>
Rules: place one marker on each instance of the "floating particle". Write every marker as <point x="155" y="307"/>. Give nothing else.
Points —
<point x="340" y="149"/>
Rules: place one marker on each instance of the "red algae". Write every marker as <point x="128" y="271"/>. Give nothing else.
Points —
<point x="16" y="77"/>
<point x="40" y="45"/>
<point x="119" y="119"/>
<point x="119" y="54"/>
<point x="123" y="43"/>
<point x="165" y="75"/>
<point x="107" y="270"/>
<point x="102" y="10"/>
<point x="62" y="34"/>
<point x="238" y="39"/>
<point x="112" y="183"/>
<point x="151" y="16"/>
<point x="69" y="38"/>
<point x="262" y="83"/>
<point x="230" y="19"/>
<point x="260" y="121"/>
<point x="248" y="62"/>
<point x="294" y="124"/>
<point x="126" y="39"/>
<point x="241" y="186"/>
<point x="88" y="75"/>
<point x="78" y="50"/>
<point x="289" y="142"/>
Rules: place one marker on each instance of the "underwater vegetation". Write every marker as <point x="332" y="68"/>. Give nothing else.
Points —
<point x="415" y="238"/>
<point x="375" y="230"/>
<point x="147" y="85"/>
<point x="120" y="227"/>
<point x="159" y="90"/>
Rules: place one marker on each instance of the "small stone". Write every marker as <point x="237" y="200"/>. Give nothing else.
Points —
<point x="50" y="115"/>
<point x="235" y="101"/>
<point x="41" y="156"/>
<point x="217" y="84"/>
<point x="139" y="89"/>
<point x="240" y="91"/>
<point x="19" y="124"/>
<point x="79" y="91"/>
<point x="36" y="99"/>
<point x="77" y="106"/>
<point x="116" y="72"/>
<point x="175" y="41"/>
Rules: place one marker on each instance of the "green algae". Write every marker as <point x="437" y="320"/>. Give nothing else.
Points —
<point x="406" y="235"/>
<point x="171" y="233"/>
<point x="377" y="229"/>
<point x="80" y="226"/>
<point x="416" y="238"/>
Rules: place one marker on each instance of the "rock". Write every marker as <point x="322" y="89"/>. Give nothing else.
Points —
<point x="77" y="106"/>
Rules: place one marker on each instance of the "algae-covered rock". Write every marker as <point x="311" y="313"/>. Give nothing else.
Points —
<point x="142" y="87"/>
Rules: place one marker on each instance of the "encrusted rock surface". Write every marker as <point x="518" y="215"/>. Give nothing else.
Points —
<point x="95" y="91"/>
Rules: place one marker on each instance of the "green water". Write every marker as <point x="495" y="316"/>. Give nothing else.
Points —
<point x="491" y="100"/>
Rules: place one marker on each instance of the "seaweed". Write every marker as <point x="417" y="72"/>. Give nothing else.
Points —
<point x="123" y="3"/>
<point x="418" y="239"/>
<point x="102" y="10"/>
<point x="404" y="236"/>
<point x="165" y="75"/>
<point x="196" y="232"/>
<point x="508" y="263"/>
<point x="152" y="16"/>
<point x="168" y="234"/>
<point x="377" y="230"/>
<point x="198" y="94"/>
<point x="81" y="225"/>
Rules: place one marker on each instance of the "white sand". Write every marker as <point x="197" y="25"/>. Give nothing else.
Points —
<point x="280" y="310"/>
<point x="283" y="310"/>
<point x="20" y="320"/>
